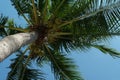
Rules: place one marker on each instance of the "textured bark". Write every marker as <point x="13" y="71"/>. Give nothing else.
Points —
<point x="12" y="43"/>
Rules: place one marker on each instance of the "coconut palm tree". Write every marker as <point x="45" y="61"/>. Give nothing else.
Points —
<point x="56" y="27"/>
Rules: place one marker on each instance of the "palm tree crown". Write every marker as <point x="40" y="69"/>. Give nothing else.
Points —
<point x="62" y="26"/>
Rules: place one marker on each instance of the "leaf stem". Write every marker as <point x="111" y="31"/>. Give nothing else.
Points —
<point x="45" y="11"/>
<point x="27" y="61"/>
<point x="35" y="12"/>
<point x="17" y="29"/>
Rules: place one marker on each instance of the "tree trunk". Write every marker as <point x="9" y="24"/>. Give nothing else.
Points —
<point x="12" y="43"/>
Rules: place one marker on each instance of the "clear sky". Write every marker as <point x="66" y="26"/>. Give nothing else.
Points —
<point x="92" y="64"/>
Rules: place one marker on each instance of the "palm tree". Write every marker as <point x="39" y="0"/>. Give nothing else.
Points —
<point x="56" y="27"/>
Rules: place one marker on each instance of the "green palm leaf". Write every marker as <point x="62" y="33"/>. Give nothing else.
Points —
<point x="108" y="50"/>
<point x="63" y="67"/>
<point x="23" y="7"/>
<point x="88" y="22"/>
<point x="18" y="66"/>
<point x="12" y="28"/>
<point x="3" y="21"/>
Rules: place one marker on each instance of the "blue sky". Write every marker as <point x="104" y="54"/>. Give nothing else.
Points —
<point x="92" y="64"/>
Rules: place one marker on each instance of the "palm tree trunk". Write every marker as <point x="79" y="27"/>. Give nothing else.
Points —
<point x="12" y="43"/>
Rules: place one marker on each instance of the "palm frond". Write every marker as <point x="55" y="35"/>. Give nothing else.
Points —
<point x="17" y="67"/>
<point x="12" y="28"/>
<point x="59" y="5"/>
<point x="63" y="67"/>
<point x="110" y="10"/>
<point x="3" y="21"/>
<point x="108" y="50"/>
<point x="90" y="21"/>
<point x="34" y="10"/>
<point x="23" y="7"/>
<point x="112" y="18"/>
<point x="83" y="32"/>
<point x="93" y="7"/>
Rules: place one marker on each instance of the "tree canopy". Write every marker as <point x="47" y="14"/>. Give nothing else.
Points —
<point x="63" y="26"/>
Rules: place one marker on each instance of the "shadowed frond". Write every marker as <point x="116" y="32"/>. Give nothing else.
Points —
<point x="63" y="67"/>
<point x="89" y="21"/>
<point x="3" y="21"/>
<point x="91" y="8"/>
<point x="17" y="68"/>
<point x="23" y="7"/>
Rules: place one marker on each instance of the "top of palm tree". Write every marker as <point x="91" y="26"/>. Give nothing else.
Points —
<point x="65" y="25"/>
